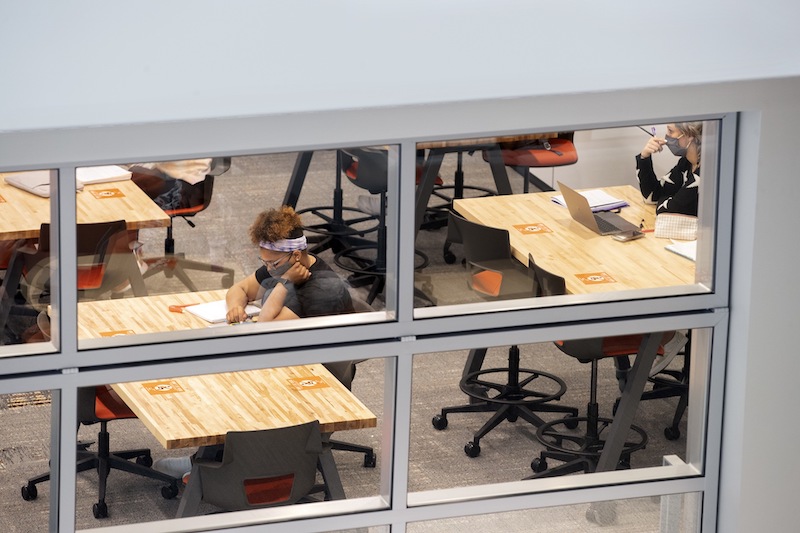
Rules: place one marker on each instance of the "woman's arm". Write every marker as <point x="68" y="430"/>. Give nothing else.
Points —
<point x="237" y="297"/>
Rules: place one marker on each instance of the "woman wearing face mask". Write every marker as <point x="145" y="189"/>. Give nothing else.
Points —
<point x="292" y="283"/>
<point x="676" y="192"/>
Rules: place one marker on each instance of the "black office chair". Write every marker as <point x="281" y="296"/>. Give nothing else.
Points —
<point x="367" y="168"/>
<point x="507" y="392"/>
<point x="98" y="404"/>
<point x="172" y="264"/>
<point x="581" y="451"/>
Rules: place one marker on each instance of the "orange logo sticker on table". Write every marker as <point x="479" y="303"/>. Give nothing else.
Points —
<point x="167" y="386"/>
<point x="307" y="382"/>
<point x="102" y="194"/>
<point x="2" y="200"/>
<point x="117" y="333"/>
<point x="593" y="278"/>
<point x="531" y="229"/>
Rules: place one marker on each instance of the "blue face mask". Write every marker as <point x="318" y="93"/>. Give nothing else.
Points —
<point x="674" y="147"/>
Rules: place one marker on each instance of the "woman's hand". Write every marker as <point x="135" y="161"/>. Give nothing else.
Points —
<point x="297" y="274"/>
<point x="236" y="314"/>
<point x="655" y="144"/>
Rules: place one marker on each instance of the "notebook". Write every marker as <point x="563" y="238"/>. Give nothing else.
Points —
<point x="215" y="312"/>
<point x="35" y="182"/>
<point x="600" y="223"/>
<point x="102" y="174"/>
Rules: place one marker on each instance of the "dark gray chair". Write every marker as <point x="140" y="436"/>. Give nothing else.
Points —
<point x="264" y="468"/>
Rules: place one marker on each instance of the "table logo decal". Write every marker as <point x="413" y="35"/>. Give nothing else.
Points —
<point x="166" y="386"/>
<point x="117" y="333"/>
<point x="307" y="382"/>
<point x="2" y="200"/>
<point x="103" y="194"/>
<point x="594" y="278"/>
<point x="532" y="229"/>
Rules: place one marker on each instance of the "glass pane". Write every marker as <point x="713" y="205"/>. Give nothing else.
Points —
<point x="457" y="394"/>
<point x="502" y="191"/>
<point x="240" y="419"/>
<point x="24" y="455"/>
<point x="673" y="513"/>
<point x="24" y="258"/>
<point x="194" y="229"/>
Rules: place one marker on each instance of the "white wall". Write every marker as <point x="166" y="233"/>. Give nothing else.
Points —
<point x="69" y="64"/>
<point x="84" y="62"/>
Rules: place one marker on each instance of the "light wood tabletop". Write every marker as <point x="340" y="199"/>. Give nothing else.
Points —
<point x="200" y="410"/>
<point x="588" y="262"/>
<point x="22" y="213"/>
<point x="147" y="314"/>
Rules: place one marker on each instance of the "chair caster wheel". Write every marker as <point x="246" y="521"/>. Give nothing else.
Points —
<point x="539" y="465"/>
<point x="439" y="422"/>
<point x="602" y="514"/>
<point x="29" y="492"/>
<point x="169" y="491"/>
<point x="100" y="510"/>
<point x="672" y="433"/>
<point x="369" y="460"/>
<point x="570" y="422"/>
<point x="144" y="460"/>
<point x="449" y="257"/>
<point x="472" y="449"/>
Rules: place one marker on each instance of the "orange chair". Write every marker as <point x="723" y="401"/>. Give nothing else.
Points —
<point x="552" y="150"/>
<point x="100" y="404"/>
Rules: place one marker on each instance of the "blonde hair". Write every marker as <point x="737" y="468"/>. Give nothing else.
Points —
<point x="693" y="130"/>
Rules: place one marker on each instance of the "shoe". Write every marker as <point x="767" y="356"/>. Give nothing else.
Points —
<point x="177" y="467"/>
<point x="671" y="349"/>
<point x="369" y="204"/>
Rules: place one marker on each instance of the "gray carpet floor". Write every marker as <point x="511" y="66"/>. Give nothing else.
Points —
<point x="437" y="459"/>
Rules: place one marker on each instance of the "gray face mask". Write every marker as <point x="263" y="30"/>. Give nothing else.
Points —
<point x="674" y="147"/>
<point x="281" y="270"/>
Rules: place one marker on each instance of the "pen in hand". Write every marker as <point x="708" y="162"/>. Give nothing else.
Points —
<point x="651" y="133"/>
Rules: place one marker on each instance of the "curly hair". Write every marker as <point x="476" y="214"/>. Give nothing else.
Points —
<point x="276" y="224"/>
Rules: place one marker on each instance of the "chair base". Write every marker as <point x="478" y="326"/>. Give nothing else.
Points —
<point x="104" y="461"/>
<point x="513" y="398"/>
<point x="338" y="227"/>
<point x="370" y="459"/>
<point x="579" y="451"/>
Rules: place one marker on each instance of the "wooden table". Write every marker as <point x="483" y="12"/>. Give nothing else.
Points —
<point x="539" y="226"/>
<point x="22" y="213"/>
<point x="200" y="410"/>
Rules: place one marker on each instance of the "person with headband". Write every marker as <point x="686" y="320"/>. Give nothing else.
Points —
<point x="676" y="192"/>
<point x="291" y="283"/>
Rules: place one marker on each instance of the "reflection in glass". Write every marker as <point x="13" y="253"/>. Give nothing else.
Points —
<point x="478" y="264"/>
<point x="678" y="512"/>
<point x="24" y="211"/>
<point x="25" y="452"/>
<point x="338" y="195"/>
<point x="535" y="410"/>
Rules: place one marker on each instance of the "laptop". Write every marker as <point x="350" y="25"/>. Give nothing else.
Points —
<point x="604" y="223"/>
<point x="36" y="182"/>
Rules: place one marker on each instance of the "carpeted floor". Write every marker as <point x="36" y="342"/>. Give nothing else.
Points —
<point x="437" y="459"/>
